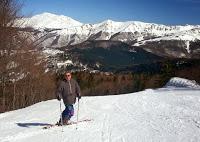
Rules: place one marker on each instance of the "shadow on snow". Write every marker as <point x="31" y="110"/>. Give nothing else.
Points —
<point x="31" y="124"/>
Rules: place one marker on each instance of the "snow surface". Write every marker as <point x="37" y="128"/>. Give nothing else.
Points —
<point x="54" y="52"/>
<point x="64" y="64"/>
<point x="182" y="83"/>
<point x="166" y="114"/>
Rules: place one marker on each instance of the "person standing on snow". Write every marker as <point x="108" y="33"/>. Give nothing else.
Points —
<point x="68" y="90"/>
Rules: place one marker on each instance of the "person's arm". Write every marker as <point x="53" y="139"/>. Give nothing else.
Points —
<point x="59" y="91"/>
<point x="78" y="90"/>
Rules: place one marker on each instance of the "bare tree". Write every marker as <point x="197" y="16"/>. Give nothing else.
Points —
<point x="22" y="66"/>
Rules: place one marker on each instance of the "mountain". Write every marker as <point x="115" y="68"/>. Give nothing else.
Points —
<point x="58" y="34"/>
<point x="63" y="31"/>
<point x="51" y="21"/>
<point x="165" y="114"/>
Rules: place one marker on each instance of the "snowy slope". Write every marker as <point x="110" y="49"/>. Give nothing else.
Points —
<point x="151" y="115"/>
<point x="182" y="83"/>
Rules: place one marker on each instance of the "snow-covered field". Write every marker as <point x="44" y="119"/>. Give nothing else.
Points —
<point x="165" y="114"/>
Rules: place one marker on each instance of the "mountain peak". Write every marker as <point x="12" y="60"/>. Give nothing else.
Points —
<point x="109" y="21"/>
<point x="46" y="14"/>
<point x="52" y="15"/>
<point x="49" y="20"/>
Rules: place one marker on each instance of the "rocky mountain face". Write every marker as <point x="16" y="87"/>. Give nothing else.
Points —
<point x="110" y="55"/>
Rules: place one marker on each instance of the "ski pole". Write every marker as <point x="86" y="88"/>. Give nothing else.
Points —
<point x="77" y="116"/>
<point x="61" y="118"/>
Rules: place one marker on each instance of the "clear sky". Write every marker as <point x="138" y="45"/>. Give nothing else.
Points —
<point x="169" y="12"/>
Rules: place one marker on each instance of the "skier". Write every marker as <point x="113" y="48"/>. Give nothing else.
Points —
<point x="68" y="90"/>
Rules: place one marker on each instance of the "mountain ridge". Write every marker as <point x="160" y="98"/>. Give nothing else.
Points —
<point x="69" y="31"/>
<point x="48" y="14"/>
<point x="158" y="39"/>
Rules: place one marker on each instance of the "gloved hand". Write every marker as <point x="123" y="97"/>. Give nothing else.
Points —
<point x="58" y="98"/>
<point x="79" y="96"/>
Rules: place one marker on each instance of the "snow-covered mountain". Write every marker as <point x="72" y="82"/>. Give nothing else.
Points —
<point x="139" y="30"/>
<point x="152" y="115"/>
<point x="176" y="41"/>
<point x="48" y="20"/>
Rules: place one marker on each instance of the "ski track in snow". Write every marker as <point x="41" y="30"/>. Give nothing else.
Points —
<point x="149" y="116"/>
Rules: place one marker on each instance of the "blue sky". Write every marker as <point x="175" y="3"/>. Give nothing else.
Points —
<point x="170" y="12"/>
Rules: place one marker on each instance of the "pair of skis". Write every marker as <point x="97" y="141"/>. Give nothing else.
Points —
<point x="70" y="123"/>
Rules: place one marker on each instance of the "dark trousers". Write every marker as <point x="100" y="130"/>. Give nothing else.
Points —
<point x="68" y="112"/>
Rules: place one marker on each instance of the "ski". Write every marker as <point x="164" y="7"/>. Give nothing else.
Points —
<point x="70" y="123"/>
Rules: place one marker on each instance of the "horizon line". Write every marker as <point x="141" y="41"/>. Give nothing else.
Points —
<point x="114" y="20"/>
